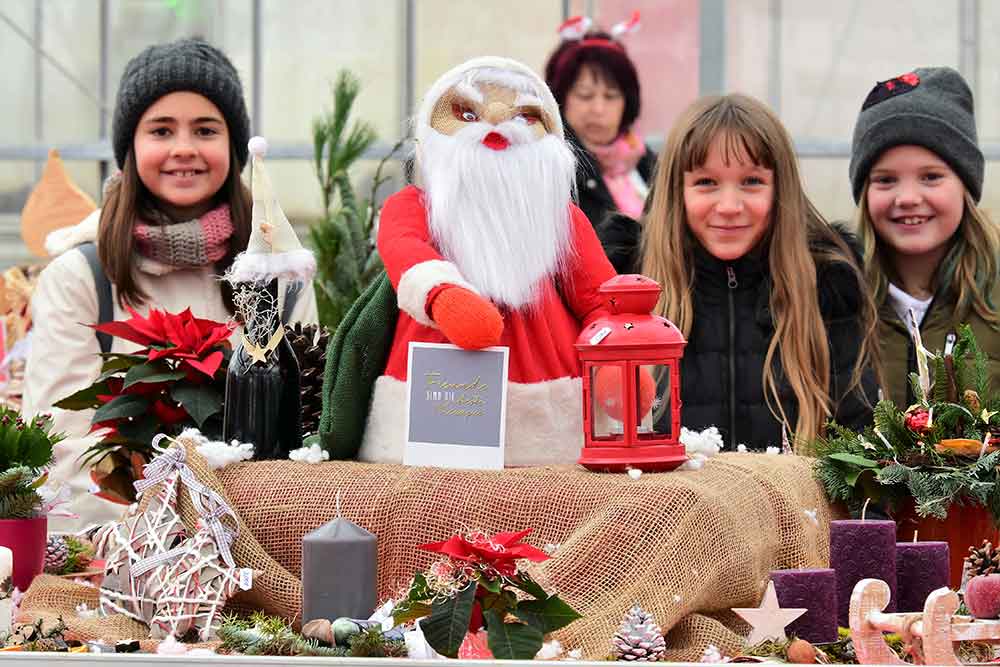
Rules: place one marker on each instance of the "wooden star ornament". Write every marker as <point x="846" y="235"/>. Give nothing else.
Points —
<point x="769" y="619"/>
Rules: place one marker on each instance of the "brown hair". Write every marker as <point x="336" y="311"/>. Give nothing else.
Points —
<point x="970" y="268"/>
<point x="127" y="198"/>
<point x="799" y="240"/>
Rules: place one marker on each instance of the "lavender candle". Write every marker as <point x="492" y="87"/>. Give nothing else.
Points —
<point x="861" y="549"/>
<point x="921" y="567"/>
<point x="816" y="590"/>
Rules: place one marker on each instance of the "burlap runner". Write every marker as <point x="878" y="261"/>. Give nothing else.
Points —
<point x="687" y="546"/>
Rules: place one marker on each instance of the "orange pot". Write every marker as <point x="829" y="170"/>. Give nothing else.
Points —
<point x="966" y="526"/>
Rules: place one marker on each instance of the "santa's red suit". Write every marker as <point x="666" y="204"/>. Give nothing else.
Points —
<point x="544" y="419"/>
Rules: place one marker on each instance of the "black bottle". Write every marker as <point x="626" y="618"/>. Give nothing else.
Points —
<point x="263" y="402"/>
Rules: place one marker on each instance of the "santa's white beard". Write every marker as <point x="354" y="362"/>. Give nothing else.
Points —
<point x="502" y="217"/>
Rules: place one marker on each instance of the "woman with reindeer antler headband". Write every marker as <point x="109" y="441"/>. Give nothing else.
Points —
<point x="597" y="88"/>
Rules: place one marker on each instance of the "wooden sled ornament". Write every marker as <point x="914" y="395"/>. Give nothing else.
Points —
<point x="929" y="634"/>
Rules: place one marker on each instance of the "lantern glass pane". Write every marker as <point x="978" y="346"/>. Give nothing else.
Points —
<point x="607" y="404"/>
<point x="652" y="390"/>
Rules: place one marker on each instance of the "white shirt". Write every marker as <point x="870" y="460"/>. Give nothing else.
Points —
<point x="903" y="303"/>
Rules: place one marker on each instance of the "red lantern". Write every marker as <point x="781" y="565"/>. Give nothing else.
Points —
<point x="631" y="382"/>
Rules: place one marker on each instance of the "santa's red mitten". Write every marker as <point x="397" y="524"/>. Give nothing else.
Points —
<point x="466" y="319"/>
<point x="611" y="395"/>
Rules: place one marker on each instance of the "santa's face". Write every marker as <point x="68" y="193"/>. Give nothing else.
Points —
<point x="499" y="182"/>
<point x="493" y="104"/>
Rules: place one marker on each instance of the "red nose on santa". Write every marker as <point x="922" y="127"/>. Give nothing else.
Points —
<point x="488" y="249"/>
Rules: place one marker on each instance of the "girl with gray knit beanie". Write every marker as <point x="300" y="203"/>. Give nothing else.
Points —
<point x="931" y="254"/>
<point x="172" y="221"/>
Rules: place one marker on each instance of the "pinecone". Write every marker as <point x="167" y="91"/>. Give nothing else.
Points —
<point x="984" y="560"/>
<point x="639" y="638"/>
<point x="309" y="342"/>
<point x="56" y="554"/>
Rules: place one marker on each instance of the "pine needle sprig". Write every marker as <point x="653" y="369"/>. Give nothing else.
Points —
<point x="269" y="635"/>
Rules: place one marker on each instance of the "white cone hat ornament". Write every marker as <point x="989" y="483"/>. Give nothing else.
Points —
<point x="274" y="251"/>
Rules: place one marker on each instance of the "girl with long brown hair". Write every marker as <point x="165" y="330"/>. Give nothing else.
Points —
<point x="172" y="221"/>
<point x="768" y="294"/>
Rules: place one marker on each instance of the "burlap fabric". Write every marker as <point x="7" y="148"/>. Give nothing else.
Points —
<point x="687" y="546"/>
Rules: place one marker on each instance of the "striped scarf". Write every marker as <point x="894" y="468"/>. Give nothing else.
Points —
<point x="166" y="246"/>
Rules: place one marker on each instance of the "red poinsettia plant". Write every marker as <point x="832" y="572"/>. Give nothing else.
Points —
<point x="175" y="380"/>
<point x="478" y="586"/>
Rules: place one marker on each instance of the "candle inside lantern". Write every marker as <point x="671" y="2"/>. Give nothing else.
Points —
<point x="815" y="589"/>
<point x="921" y="568"/>
<point x="339" y="570"/>
<point x="861" y="549"/>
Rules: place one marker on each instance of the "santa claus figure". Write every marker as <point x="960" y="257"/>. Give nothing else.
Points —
<point x="489" y="249"/>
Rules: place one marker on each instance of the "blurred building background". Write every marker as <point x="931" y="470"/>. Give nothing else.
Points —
<point x="814" y="61"/>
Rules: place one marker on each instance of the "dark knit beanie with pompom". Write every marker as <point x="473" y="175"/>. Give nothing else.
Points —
<point x="185" y="65"/>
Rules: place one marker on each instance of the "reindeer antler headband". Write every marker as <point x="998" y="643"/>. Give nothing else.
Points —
<point x="574" y="29"/>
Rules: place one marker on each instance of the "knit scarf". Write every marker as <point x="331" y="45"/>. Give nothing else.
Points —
<point x="618" y="162"/>
<point x="164" y="246"/>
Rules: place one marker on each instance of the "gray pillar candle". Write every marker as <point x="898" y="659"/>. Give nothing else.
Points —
<point x="339" y="570"/>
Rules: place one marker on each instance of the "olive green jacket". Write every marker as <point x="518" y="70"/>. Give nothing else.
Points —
<point x="899" y="357"/>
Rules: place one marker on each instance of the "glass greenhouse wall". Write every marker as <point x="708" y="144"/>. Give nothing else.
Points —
<point x="813" y="61"/>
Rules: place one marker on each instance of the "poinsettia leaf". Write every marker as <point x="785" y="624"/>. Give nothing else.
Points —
<point x="852" y="476"/>
<point x="121" y="407"/>
<point x="547" y="615"/>
<point x="854" y="459"/>
<point x="114" y="361"/>
<point x="492" y="585"/>
<point x="512" y="641"/>
<point x="529" y="586"/>
<point x="125" y="330"/>
<point x="209" y="365"/>
<point x="445" y="628"/>
<point x="200" y="401"/>
<point x="84" y="399"/>
<point x="149" y="373"/>
<point x="141" y="430"/>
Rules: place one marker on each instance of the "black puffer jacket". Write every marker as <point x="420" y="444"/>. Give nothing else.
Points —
<point x="593" y="196"/>
<point x="722" y="368"/>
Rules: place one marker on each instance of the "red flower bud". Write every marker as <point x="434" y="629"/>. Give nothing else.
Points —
<point x="917" y="420"/>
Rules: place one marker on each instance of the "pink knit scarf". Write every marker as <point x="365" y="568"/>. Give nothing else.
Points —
<point x="617" y="161"/>
<point x="185" y="245"/>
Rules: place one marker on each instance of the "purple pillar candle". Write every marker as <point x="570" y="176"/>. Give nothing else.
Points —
<point x="921" y="567"/>
<point x="862" y="549"/>
<point x="814" y="590"/>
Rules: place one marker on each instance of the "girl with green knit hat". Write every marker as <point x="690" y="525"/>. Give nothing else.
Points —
<point x="932" y="256"/>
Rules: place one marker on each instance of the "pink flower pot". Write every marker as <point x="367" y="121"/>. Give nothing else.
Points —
<point x="26" y="538"/>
